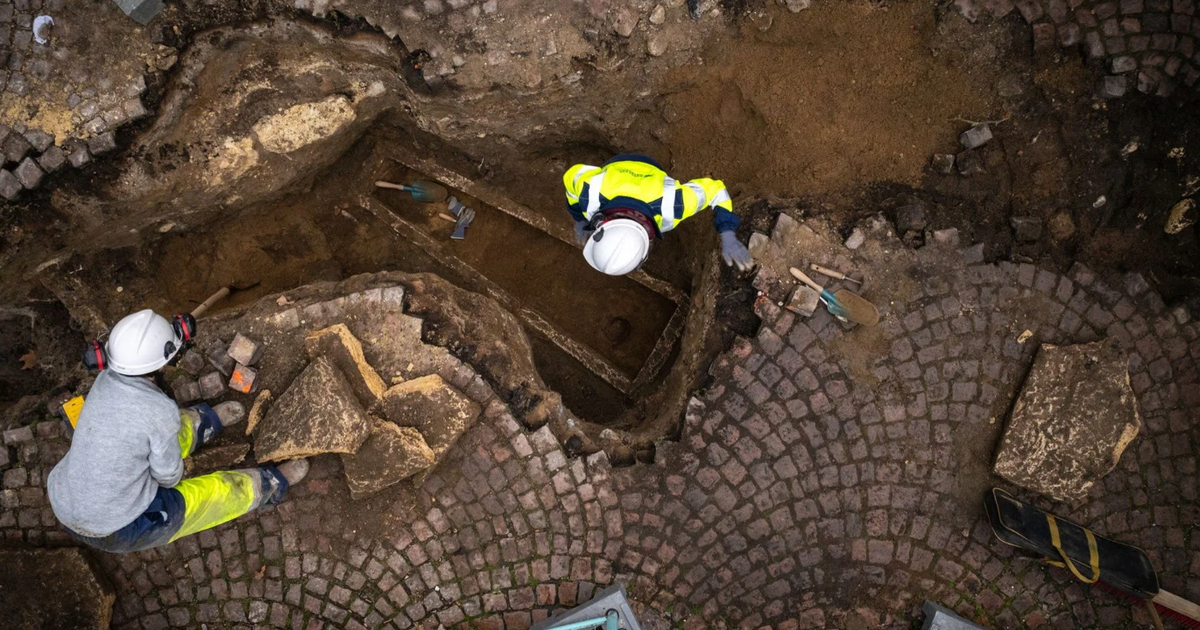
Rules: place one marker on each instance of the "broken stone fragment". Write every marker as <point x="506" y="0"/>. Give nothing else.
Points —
<point x="976" y="136"/>
<point x="784" y="226"/>
<point x="796" y="6"/>
<point x="317" y="414"/>
<point x="53" y="588"/>
<point x="244" y="350"/>
<point x="1181" y="217"/>
<point x="430" y="405"/>
<point x="257" y="410"/>
<point x="624" y="22"/>
<point x="658" y="15"/>
<point x="1072" y="420"/>
<point x="856" y="239"/>
<point x="214" y="458"/>
<point x="390" y="455"/>
<point x="212" y="385"/>
<point x="343" y="348"/>
<point x="1026" y="229"/>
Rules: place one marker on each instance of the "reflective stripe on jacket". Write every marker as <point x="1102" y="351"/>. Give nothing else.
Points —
<point x="635" y="182"/>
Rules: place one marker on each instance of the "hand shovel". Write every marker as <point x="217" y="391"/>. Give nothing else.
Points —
<point x="420" y="190"/>
<point x="843" y="303"/>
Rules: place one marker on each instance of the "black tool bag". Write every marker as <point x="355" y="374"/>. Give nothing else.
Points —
<point x="1063" y="543"/>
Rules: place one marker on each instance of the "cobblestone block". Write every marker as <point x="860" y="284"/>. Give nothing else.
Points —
<point x="52" y="159"/>
<point x="10" y="186"/>
<point x="102" y="143"/>
<point x="29" y="174"/>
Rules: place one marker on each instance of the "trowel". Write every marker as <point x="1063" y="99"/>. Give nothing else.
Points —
<point x="421" y="190"/>
<point x="843" y="303"/>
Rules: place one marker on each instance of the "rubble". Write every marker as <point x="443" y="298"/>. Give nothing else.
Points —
<point x="910" y="218"/>
<point x="344" y="349"/>
<point x="969" y="163"/>
<point x="317" y="414"/>
<point x="1072" y="420"/>
<point x="856" y="239"/>
<point x="943" y="163"/>
<point x="390" y="455"/>
<point x="257" y="410"/>
<point x="430" y="405"/>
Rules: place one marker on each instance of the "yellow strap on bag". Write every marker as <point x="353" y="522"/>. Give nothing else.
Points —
<point x="1094" y="554"/>
<point x="215" y="498"/>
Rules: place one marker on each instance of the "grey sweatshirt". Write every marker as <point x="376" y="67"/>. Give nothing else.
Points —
<point x="126" y="445"/>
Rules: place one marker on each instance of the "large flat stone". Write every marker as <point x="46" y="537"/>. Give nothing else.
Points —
<point x="1073" y="418"/>
<point x="341" y="346"/>
<point x="52" y="588"/>
<point x="318" y="413"/>
<point x="431" y="406"/>
<point x="390" y="455"/>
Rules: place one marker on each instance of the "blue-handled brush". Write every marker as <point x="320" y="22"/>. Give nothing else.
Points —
<point x="843" y="304"/>
<point x="421" y="190"/>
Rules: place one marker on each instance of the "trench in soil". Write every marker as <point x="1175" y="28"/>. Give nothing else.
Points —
<point x="326" y="233"/>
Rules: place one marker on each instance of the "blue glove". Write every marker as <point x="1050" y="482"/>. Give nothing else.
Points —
<point x="582" y="232"/>
<point x="735" y="253"/>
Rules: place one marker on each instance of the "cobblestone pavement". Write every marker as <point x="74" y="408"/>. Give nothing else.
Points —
<point x="61" y="102"/>
<point x="807" y="491"/>
<point x="1147" y="44"/>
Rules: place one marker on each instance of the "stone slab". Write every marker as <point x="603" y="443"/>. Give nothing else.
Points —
<point x="939" y="617"/>
<point x="53" y="588"/>
<point x="1072" y="420"/>
<point x="317" y="414"/>
<point x="213" y="458"/>
<point x="430" y="405"/>
<point x="343" y="348"/>
<point x="390" y="455"/>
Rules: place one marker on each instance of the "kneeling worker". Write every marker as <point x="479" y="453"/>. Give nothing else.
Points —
<point x="619" y="208"/>
<point x="120" y="487"/>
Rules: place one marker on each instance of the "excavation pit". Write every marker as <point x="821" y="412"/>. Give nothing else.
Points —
<point x="607" y="345"/>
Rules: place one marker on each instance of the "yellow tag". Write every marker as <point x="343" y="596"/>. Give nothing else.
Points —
<point x="73" y="408"/>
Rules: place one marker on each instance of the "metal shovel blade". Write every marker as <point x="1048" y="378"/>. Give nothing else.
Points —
<point x="855" y="308"/>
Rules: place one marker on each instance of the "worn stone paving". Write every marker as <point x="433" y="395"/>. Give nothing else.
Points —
<point x="1147" y="44"/>
<point x="808" y="490"/>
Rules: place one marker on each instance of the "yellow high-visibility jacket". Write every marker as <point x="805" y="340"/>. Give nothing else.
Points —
<point x="636" y="182"/>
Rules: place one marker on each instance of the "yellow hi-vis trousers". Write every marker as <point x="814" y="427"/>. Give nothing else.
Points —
<point x="215" y="498"/>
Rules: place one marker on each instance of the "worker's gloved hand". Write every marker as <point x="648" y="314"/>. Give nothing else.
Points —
<point x="582" y="232"/>
<point x="734" y="252"/>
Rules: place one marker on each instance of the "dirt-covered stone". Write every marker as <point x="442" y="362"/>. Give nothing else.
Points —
<point x="53" y="588"/>
<point x="430" y="405"/>
<point x="390" y="455"/>
<point x="213" y="458"/>
<point x="341" y="346"/>
<point x="317" y="414"/>
<point x="1071" y="422"/>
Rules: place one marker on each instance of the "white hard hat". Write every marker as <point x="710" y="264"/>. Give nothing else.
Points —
<point x="617" y="247"/>
<point x="141" y="343"/>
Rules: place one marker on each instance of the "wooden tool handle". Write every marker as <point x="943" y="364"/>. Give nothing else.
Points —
<point x="829" y="272"/>
<point x="1178" y="604"/>
<point x="383" y="184"/>
<point x="212" y="299"/>
<point x="803" y="277"/>
<point x="443" y="215"/>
